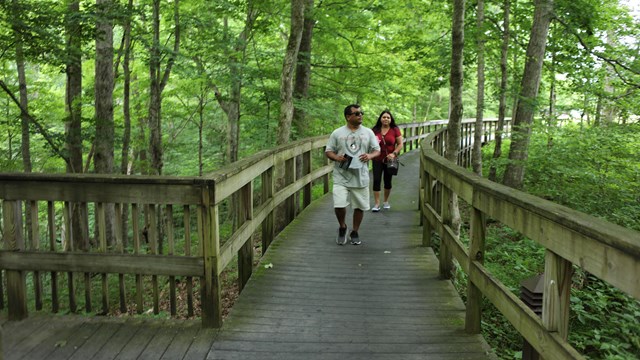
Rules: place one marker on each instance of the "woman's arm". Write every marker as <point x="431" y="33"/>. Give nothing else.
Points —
<point x="399" y="143"/>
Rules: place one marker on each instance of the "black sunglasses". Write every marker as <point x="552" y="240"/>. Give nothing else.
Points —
<point x="357" y="113"/>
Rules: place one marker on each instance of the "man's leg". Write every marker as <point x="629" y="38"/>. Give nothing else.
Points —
<point x="357" y="219"/>
<point x="341" y="213"/>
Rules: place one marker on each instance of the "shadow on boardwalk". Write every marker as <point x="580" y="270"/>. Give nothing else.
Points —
<point x="308" y="299"/>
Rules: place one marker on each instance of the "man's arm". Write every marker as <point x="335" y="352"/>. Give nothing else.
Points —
<point x="335" y="157"/>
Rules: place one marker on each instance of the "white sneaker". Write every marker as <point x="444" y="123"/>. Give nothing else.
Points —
<point x="386" y="206"/>
<point x="376" y="208"/>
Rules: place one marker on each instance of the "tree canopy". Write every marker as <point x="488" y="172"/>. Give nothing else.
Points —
<point x="382" y="54"/>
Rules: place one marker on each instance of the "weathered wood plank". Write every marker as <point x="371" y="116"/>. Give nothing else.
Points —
<point x="98" y="190"/>
<point x="98" y="262"/>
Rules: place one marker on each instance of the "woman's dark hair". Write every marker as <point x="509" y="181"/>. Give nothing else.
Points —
<point x="378" y="124"/>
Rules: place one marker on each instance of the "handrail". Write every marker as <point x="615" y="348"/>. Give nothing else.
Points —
<point x="55" y="248"/>
<point x="160" y="211"/>
<point x="608" y="251"/>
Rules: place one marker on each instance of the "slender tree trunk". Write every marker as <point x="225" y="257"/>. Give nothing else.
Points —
<point x="231" y="107"/>
<point x="22" y="85"/>
<point x="104" y="79"/>
<point x="504" y="76"/>
<point x="598" y="118"/>
<point x="553" y="117"/>
<point x="200" y="135"/>
<point x="158" y="80"/>
<point x="286" y="98"/>
<point x="73" y="123"/>
<point x="521" y="135"/>
<point x="288" y="70"/>
<point x="126" y="96"/>
<point x="455" y="115"/>
<point x="609" y="107"/>
<point x="155" y="102"/>
<point x="126" y="112"/>
<point x="456" y="82"/>
<point x="477" y="135"/>
<point x="303" y="71"/>
<point x="301" y="86"/>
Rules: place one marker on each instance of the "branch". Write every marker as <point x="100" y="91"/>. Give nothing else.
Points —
<point x="613" y="62"/>
<point x="176" y="46"/>
<point x="41" y="130"/>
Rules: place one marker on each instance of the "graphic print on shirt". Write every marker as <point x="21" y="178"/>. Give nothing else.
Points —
<point x="353" y="146"/>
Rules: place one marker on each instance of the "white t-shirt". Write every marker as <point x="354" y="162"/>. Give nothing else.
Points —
<point x="353" y="143"/>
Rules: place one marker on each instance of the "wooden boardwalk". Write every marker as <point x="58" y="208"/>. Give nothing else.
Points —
<point x="308" y="299"/>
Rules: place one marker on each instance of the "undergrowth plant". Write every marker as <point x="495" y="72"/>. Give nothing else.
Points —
<point x="595" y="170"/>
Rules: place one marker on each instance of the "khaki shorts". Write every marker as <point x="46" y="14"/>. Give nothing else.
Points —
<point x="358" y="198"/>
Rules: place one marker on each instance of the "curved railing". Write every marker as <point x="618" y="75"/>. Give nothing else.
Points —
<point x="167" y="230"/>
<point x="571" y="238"/>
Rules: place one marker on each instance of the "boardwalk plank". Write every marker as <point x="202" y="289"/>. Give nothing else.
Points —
<point x="18" y="343"/>
<point x="184" y="337"/>
<point x="380" y="300"/>
<point x="160" y="342"/>
<point x="137" y="344"/>
<point x="98" y="340"/>
<point x="118" y="340"/>
<point x="201" y="344"/>
<point x="64" y="342"/>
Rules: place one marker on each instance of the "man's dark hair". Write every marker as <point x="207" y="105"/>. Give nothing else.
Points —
<point x="347" y="110"/>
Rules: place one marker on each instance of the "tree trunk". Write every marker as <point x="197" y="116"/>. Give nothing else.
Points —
<point x="288" y="70"/>
<point x="126" y="96"/>
<point x="455" y="121"/>
<point x="456" y="82"/>
<point x="104" y="78"/>
<point x="553" y="117"/>
<point x="158" y="80"/>
<point x="504" y="76"/>
<point x="231" y="107"/>
<point x="22" y="84"/>
<point x="73" y="123"/>
<point x="303" y="72"/>
<point x="521" y="135"/>
<point x="155" y="103"/>
<point x="286" y="101"/>
<point x="477" y="135"/>
<point x="126" y="110"/>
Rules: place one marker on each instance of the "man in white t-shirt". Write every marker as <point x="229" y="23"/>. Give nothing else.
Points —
<point x="351" y="147"/>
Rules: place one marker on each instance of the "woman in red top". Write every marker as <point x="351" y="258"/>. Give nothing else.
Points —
<point x="390" y="139"/>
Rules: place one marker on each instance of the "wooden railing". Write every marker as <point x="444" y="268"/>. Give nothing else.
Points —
<point x="166" y="230"/>
<point x="570" y="238"/>
<point x="162" y="212"/>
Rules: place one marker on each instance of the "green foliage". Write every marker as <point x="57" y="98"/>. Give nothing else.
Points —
<point x="594" y="170"/>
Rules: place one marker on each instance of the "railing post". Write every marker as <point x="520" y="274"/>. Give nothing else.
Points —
<point x="289" y="178"/>
<point x="557" y="292"/>
<point x="306" y="170"/>
<point x="35" y="246"/>
<point x="476" y="253"/>
<point x="427" y="199"/>
<point x="446" y="257"/>
<point x="268" y="186"/>
<point x="210" y="236"/>
<point x="14" y="241"/>
<point x="245" y="253"/>
<point x="404" y="136"/>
